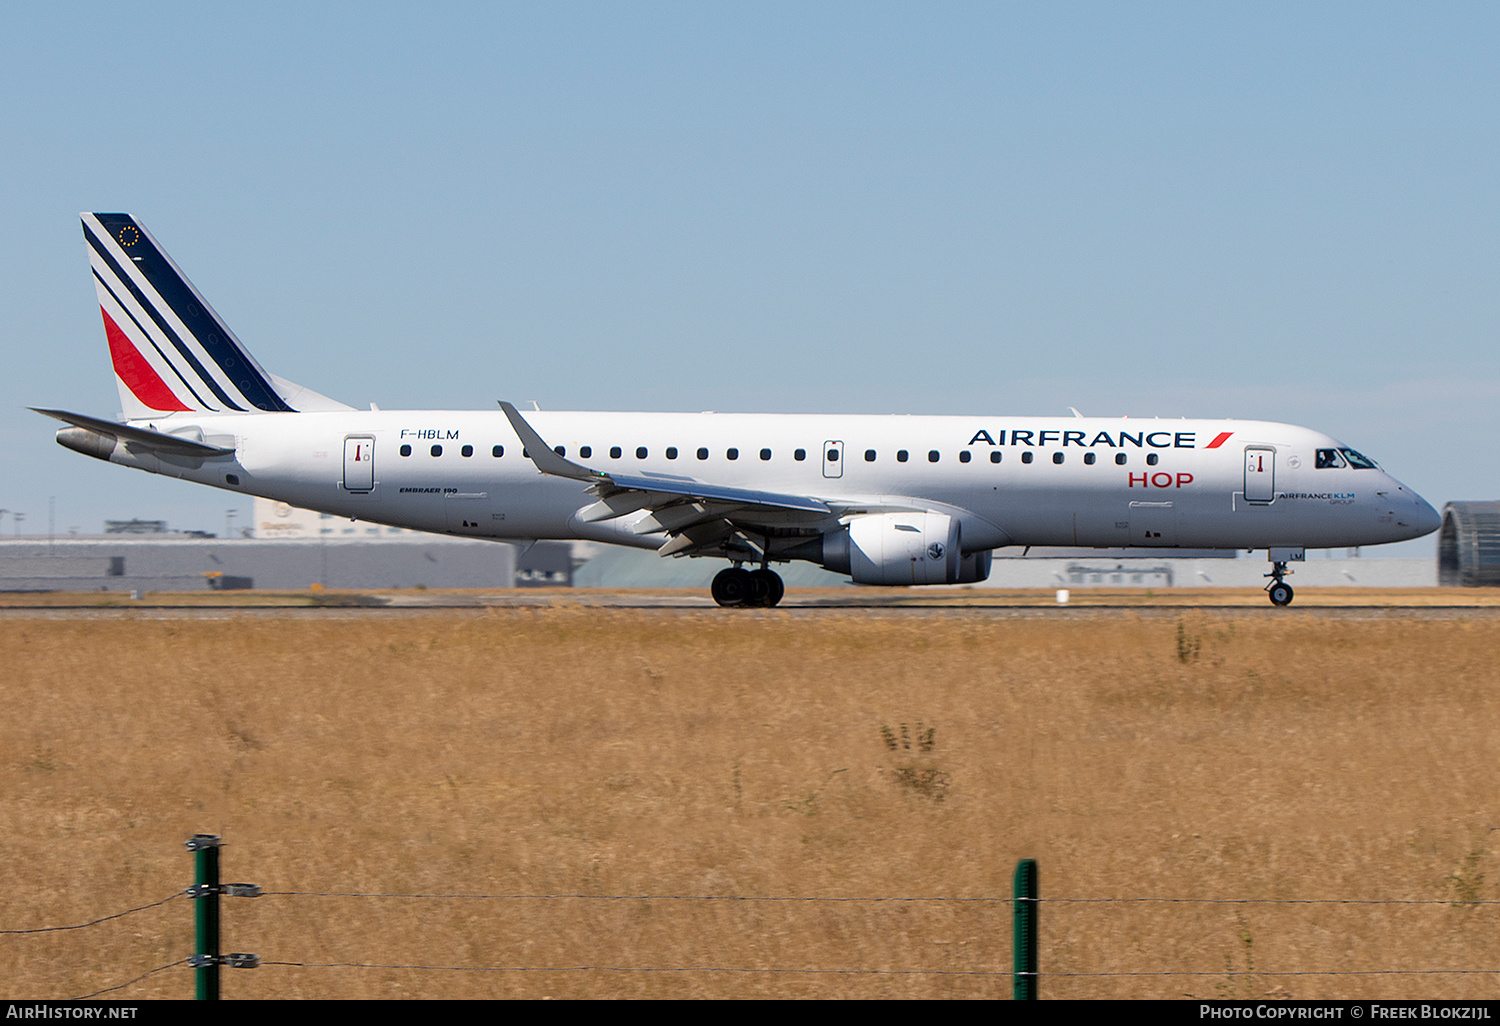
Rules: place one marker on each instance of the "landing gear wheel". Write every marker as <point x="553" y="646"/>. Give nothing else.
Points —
<point x="732" y="587"/>
<point x="1279" y="591"/>
<point x="767" y="586"/>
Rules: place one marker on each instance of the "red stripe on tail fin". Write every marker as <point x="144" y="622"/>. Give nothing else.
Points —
<point x="132" y="368"/>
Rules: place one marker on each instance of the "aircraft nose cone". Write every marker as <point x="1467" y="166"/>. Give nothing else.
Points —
<point x="1425" y="519"/>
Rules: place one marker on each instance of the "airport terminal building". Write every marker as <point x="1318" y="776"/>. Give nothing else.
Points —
<point x="285" y="549"/>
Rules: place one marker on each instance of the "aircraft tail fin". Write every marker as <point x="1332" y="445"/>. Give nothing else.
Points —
<point x="171" y="351"/>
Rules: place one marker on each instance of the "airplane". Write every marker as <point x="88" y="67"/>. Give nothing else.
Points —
<point x="884" y="500"/>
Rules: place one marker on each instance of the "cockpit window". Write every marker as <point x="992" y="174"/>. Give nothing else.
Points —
<point x="1329" y="458"/>
<point x="1358" y="461"/>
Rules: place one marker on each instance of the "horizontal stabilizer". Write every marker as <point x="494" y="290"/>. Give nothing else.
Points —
<point x="156" y="441"/>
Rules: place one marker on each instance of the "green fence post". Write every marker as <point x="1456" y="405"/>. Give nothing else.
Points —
<point x="1025" y="892"/>
<point x="205" y="894"/>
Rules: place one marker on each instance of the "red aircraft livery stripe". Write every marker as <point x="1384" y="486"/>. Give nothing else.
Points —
<point x="1220" y="439"/>
<point x="137" y="374"/>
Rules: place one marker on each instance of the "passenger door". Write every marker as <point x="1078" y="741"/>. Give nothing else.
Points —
<point x="1260" y="473"/>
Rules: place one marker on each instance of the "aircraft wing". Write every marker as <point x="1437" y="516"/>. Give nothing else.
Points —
<point x="138" y="438"/>
<point x="695" y="514"/>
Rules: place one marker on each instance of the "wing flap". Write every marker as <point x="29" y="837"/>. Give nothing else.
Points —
<point x="677" y="517"/>
<point x="699" y="536"/>
<point x="622" y="503"/>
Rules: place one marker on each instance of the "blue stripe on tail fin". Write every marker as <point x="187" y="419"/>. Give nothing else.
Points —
<point x="170" y="349"/>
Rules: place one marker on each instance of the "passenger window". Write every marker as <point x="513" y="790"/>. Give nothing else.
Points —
<point x="1089" y="458"/>
<point x="1057" y="457"/>
<point x="1119" y="459"/>
<point x="1152" y="459"/>
<point x="498" y="451"/>
<point x="1026" y="456"/>
<point x="561" y="450"/>
<point x="800" y="455"/>
<point x="467" y="450"/>
<point x="765" y="454"/>
<point x="437" y="450"/>
<point x="933" y="456"/>
<point x="703" y="454"/>
<point x="901" y="456"/>
<point x="614" y="452"/>
<point x="965" y="456"/>
<point x="671" y="452"/>
<point x="869" y="455"/>
<point x="995" y="456"/>
<point x="406" y="450"/>
<point x="732" y="454"/>
<point x="640" y="452"/>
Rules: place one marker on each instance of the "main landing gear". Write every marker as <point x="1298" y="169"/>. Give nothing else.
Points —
<point x="740" y="587"/>
<point x="1280" y="591"/>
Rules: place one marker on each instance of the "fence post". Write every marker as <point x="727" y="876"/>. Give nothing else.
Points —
<point x="205" y="895"/>
<point x="1025" y="891"/>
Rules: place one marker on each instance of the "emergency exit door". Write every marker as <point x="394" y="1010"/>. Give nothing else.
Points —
<point x="833" y="459"/>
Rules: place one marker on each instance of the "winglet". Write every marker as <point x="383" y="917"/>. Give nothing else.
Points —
<point x="547" y="461"/>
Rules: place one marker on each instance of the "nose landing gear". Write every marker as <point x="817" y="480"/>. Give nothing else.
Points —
<point x="1279" y="591"/>
<point x="737" y="586"/>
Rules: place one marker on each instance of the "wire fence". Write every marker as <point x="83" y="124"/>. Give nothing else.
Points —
<point x="96" y="922"/>
<point x="196" y="896"/>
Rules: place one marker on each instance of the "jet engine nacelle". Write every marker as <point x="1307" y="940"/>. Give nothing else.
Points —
<point x="903" y="548"/>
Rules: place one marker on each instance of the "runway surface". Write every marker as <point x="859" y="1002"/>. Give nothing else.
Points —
<point x="1331" y="603"/>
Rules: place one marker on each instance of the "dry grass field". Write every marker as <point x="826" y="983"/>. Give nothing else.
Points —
<point x="788" y="753"/>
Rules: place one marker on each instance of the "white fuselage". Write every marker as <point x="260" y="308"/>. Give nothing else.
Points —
<point x="1182" y="483"/>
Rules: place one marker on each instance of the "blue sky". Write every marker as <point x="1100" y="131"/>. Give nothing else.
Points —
<point x="1279" y="211"/>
